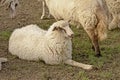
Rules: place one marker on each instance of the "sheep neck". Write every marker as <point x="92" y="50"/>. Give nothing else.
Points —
<point x="58" y="38"/>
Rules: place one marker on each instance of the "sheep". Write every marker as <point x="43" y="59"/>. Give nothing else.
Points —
<point x="53" y="46"/>
<point x="12" y="4"/>
<point x="1" y="61"/>
<point x="91" y="14"/>
<point x="114" y="9"/>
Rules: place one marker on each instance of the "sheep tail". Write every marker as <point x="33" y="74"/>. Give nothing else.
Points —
<point x="77" y="64"/>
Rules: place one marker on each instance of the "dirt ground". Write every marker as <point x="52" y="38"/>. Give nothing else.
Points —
<point x="29" y="12"/>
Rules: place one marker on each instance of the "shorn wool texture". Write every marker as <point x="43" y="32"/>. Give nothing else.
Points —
<point x="114" y="9"/>
<point x="91" y="14"/>
<point x="53" y="46"/>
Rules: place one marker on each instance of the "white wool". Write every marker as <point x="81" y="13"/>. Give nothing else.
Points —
<point x="85" y="12"/>
<point x="33" y="43"/>
<point x="53" y="46"/>
<point x="114" y="9"/>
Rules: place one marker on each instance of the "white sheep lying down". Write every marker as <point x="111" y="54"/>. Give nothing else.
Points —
<point x="53" y="46"/>
<point x="1" y="61"/>
<point x="91" y="14"/>
<point x="114" y="9"/>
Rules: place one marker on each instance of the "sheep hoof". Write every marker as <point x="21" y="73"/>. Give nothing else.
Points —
<point x="88" y="67"/>
<point x="42" y="17"/>
<point x="98" y="55"/>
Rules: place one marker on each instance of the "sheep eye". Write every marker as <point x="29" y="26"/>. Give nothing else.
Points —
<point x="64" y="30"/>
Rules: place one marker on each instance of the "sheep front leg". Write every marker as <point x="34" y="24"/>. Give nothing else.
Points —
<point x="77" y="64"/>
<point x="43" y="10"/>
<point x="12" y="7"/>
<point x="94" y="39"/>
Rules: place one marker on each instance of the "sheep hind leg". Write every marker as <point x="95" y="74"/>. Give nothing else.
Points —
<point x="2" y="60"/>
<point x="94" y="40"/>
<point x="77" y="64"/>
<point x="113" y="23"/>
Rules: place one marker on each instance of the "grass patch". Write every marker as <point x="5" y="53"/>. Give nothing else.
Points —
<point x="4" y="35"/>
<point x="106" y="75"/>
<point x="81" y="75"/>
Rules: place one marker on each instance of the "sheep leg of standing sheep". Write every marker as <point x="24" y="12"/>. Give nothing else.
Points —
<point x="12" y="6"/>
<point x="43" y="10"/>
<point x="48" y="14"/>
<point x="113" y="23"/>
<point x="77" y="64"/>
<point x="94" y="39"/>
<point x="2" y="60"/>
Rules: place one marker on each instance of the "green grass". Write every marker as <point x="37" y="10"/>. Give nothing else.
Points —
<point x="4" y="35"/>
<point x="105" y="74"/>
<point x="81" y="75"/>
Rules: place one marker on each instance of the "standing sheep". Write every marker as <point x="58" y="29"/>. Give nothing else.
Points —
<point x="53" y="46"/>
<point x="91" y="14"/>
<point x="1" y="61"/>
<point x="114" y="9"/>
<point x="12" y="4"/>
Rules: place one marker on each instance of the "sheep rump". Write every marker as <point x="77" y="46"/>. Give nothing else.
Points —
<point x="52" y="46"/>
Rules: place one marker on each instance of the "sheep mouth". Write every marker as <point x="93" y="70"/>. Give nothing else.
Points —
<point x="70" y="36"/>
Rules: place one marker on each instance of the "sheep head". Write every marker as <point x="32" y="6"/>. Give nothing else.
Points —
<point x="64" y="27"/>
